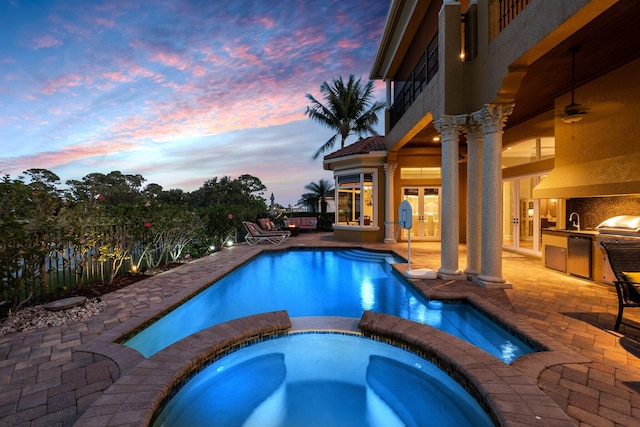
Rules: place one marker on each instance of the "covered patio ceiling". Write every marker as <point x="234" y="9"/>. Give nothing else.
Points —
<point x="606" y="43"/>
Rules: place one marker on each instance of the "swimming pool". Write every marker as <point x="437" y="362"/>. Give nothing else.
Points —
<point x="322" y="282"/>
<point x="322" y="379"/>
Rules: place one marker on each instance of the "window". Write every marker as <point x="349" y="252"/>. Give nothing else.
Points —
<point x="420" y="173"/>
<point x="529" y="151"/>
<point x="355" y="199"/>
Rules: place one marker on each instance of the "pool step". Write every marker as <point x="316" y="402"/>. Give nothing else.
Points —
<point x="369" y="256"/>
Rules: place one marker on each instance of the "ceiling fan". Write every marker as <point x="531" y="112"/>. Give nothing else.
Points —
<point x="573" y="112"/>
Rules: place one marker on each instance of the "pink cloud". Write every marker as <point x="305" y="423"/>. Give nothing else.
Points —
<point x="305" y="37"/>
<point x="63" y="81"/>
<point x="117" y="76"/>
<point x="320" y="56"/>
<point x="63" y="156"/>
<point x="56" y="111"/>
<point x="267" y="22"/>
<point x="243" y="53"/>
<point x="349" y="44"/>
<point x="185" y="88"/>
<point x="198" y="70"/>
<point x="127" y="73"/>
<point x="170" y="59"/>
<point x="138" y="71"/>
<point x="45" y="42"/>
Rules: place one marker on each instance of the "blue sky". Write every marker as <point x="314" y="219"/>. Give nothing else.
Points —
<point x="179" y="91"/>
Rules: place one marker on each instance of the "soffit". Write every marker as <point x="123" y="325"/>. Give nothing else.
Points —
<point x="606" y="43"/>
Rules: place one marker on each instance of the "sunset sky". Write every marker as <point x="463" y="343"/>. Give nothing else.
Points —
<point x="179" y="91"/>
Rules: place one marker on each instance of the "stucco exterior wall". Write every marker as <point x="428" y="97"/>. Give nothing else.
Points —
<point x="609" y="127"/>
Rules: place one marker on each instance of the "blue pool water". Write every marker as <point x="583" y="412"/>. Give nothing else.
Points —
<point x="318" y="379"/>
<point x="342" y="282"/>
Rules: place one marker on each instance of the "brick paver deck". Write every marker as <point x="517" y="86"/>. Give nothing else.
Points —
<point x="54" y="376"/>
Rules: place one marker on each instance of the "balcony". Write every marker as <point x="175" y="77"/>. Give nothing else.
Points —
<point x="502" y="12"/>
<point x="407" y="92"/>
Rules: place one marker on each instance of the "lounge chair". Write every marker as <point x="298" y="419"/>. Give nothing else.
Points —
<point x="256" y="235"/>
<point x="624" y="258"/>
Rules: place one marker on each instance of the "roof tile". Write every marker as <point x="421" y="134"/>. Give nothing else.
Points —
<point x="363" y="146"/>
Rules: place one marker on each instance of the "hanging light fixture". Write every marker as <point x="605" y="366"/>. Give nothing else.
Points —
<point x="573" y="112"/>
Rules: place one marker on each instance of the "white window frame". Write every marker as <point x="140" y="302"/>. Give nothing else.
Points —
<point x="373" y="220"/>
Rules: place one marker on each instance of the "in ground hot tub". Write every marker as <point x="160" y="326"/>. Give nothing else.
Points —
<point x="322" y="379"/>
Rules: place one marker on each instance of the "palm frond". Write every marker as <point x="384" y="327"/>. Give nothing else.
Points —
<point x="346" y="110"/>
<point x="326" y="146"/>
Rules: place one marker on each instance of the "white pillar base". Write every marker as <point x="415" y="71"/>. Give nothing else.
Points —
<point x="451" y="275"/>
<point x="421" y="273"/>
<point x="491" y="284"/>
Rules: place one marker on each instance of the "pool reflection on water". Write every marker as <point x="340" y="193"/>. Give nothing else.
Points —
<point x="321" y="282"/>
<point x="322" y="379"/>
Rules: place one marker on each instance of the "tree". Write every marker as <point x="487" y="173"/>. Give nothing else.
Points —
<point x="112" y="189"/>
<point x="346" y="110"/>
<point x="245" y="191"/>
<point x="319" y="192"/>
<point x="309" y="200"/>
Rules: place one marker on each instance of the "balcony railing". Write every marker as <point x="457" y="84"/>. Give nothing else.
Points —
<point x="421" y="75"/>
<point x="509" y="9"/>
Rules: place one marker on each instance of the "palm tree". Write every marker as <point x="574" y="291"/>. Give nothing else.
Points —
<point x="346" y="110"/>
<point x="320" y="191"/>
<point x="309" y="200"/>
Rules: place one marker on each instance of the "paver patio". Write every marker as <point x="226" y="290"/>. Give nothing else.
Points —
<point x="51" y="376"/>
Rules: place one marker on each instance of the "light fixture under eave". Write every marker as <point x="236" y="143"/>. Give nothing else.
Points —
<point x="573" y="112"/>
<point x="572" y="118"/>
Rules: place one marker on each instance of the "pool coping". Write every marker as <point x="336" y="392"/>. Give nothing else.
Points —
<point x="506" y="394"/>
<point x="137" y="395"/>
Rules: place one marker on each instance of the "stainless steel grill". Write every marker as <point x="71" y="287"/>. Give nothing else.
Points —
<point x="622" y="225"/>
<point x="617" y="228"/>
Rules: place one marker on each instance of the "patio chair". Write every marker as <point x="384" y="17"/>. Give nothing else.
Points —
<point x="256" y="235"/>
<point x="624" y="258"/>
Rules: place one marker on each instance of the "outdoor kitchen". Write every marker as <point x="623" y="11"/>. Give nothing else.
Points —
<point x="574" y="246"/>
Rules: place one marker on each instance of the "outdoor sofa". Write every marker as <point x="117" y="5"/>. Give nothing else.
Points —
<point x="303" y="222"/>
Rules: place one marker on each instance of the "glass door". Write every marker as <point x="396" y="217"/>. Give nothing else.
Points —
<point x="521" y="215"/>
<point x="509" y="215"/>
<point x="425" y="207"/>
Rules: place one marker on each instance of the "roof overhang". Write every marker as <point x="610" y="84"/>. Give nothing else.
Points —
<point x="371" y="159"/>
<point x="400" y="27"/>
<point x="604" y="177"/>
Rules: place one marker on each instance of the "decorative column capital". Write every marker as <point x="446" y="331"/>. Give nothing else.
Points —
<point x="390" y="168"/>
<point x="492" y="117"/>
<point x="450" y="126"/>
<point x="473" y="130"/>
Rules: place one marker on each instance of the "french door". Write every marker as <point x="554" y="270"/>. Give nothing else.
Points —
<point x="425" y="208"/>
<point x="521" y="216"/>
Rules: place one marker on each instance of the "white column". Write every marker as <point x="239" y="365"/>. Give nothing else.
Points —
<point x="449" y="128"/>
<point x="474" y="197"/>
<point x="389" y="212"/>
<point x="492" y="118"/>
